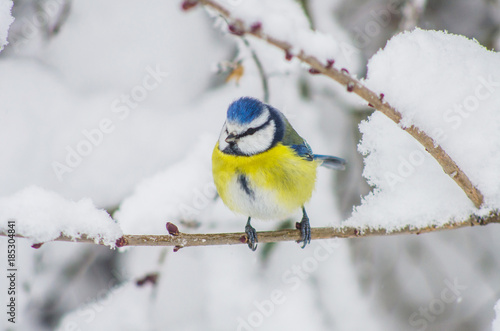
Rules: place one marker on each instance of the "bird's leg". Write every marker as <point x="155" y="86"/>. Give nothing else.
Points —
<point x="305" y="229"/>
<point x="251" y="236"/>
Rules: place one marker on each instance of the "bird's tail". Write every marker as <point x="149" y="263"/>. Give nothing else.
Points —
<point x="331" y="162"/>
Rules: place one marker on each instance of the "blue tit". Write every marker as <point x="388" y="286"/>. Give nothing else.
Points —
<point x="263" y="169"/>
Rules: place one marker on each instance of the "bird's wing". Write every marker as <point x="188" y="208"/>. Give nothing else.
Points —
<point x="291" y="138"/>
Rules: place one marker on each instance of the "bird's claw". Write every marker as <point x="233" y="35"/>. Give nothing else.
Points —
<point x="305" y="232"/>
<point x="251" y="237"/>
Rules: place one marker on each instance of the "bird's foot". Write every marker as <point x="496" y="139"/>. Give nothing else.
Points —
<point x="251" y="236"/>
<point x="305" y="231"/>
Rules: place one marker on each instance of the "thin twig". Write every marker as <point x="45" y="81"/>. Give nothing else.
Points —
<point x="411" y="12"/>
<point x="353" y="85"/>
<point x="211" y="239"/>
<point x="260" y="68"/>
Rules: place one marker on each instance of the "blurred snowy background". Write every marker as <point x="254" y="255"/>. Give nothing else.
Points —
<point x="121" y="102"/>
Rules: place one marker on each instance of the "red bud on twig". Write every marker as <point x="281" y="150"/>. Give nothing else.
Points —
<point x="235" y="30"/>
<point x="255" y="27"/>
<point x="188" y="4"/>
<point x="120" y="242"/>
<point x="149" y="278"/>
<point x="172" y="229"/>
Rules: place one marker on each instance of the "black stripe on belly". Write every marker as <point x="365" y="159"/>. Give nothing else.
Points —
<point x="243" y="181"/>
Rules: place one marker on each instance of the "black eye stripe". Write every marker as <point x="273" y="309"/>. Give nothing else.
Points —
<point x="253" y="130"/>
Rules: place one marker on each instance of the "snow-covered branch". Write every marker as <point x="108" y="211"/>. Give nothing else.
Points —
<point x="326" y="67"/>
<point x="181" y="240"/>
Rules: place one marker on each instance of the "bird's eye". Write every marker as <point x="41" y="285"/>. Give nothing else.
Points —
<point x="227" y="131"/>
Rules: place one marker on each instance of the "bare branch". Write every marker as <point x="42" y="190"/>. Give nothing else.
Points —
<point x="212" y="239"/>
<point x="237" y="26"/>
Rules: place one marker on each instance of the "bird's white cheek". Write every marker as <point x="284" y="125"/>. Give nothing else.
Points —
<point x="258" y="142"/>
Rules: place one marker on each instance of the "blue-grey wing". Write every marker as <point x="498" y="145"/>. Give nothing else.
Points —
<point x="291" y="138"/>
<point x="303" y="150"/>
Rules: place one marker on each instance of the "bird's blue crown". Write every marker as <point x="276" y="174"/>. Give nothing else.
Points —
<point x="244" y="110"/>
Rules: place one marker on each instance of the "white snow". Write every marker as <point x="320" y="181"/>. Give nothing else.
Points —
<point x="181" y="192"/>
<point x="285" y="21"/>
<point x="154" y="166"/>
<point x="449" y="87"/>
<point x="54" y="92"/>
<point x="195" y="291"/>
<point x="41" y="216"/>
<point x="133" y="315"/>
<point x="496" y="322"/>
<point x="6" y="20"/>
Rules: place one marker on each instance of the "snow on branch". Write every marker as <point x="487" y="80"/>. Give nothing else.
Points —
<point x="42" y="216"/>
<point x="6" y="20"/>
<point x="240" y="27"/>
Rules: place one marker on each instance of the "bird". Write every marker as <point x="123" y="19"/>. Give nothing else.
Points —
<point x="262" y="168"/>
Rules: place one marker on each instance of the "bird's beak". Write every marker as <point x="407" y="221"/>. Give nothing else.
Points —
<point x="231" y="138"/>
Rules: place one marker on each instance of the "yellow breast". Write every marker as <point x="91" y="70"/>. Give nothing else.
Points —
<point x="280" y="180"/>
